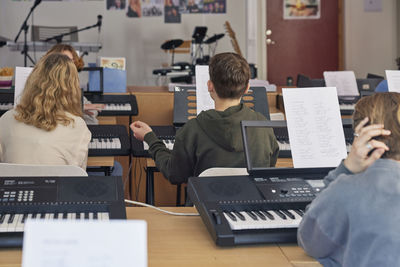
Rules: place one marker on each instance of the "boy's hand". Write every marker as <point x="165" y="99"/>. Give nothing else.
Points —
<point x="140" y="129"/>
<point x="360" y="156"/>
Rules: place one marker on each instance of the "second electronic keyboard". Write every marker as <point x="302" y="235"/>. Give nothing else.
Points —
<point x="263" y="208"/>
<point x="115" y="105"/>
<point x="55" y="198"/>
<point x="109" y="140"/>
<point x="164" y="133"/>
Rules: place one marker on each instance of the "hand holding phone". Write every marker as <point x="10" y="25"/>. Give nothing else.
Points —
<point x="365" y="150"/>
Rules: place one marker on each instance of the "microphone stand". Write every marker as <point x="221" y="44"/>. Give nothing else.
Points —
<point x="25" y="28"/>
<point x="59" y="37"/>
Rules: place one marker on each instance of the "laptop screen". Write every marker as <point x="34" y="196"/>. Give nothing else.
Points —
<point x="256" y="165"/>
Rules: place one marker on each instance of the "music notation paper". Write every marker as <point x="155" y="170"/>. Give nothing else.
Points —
<point x="70" y="243"/>
<point x="315" y="127"/>
<point x="21" y="75"/>
<point x="344" y="81"/>
<point x="203" y="98"/>
<point x="393" y="79"/>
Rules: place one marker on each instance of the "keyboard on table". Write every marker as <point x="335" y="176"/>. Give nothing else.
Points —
<point x="164" y="133"/>
<point x="56" y="198"/>
<point x="263" y="208"/>
<point x="6" y="100"/>
<point x="347" y="104"/>
<point x="115" y="105"/>
<point x="109" y="140"/>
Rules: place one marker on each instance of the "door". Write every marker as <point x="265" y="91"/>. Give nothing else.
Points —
<point x="307" y="46"/>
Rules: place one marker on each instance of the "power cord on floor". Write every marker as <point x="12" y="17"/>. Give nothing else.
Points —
<point x="165" y="211"/>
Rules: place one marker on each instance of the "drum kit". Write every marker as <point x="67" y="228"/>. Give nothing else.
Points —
<point x="198" y="55"/>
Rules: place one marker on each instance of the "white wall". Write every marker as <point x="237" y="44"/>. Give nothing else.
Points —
<point x="138" y="39"/>
<point x="370" y="38"/>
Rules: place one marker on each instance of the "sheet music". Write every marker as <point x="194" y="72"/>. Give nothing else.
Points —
<point x="344" y="81"/>
<point x="21" y="75"/>
<point x="315" y="126"/>
<point x="393" y="79"/>
<point x="70" y="243"/>
<point x="203" y="98"/>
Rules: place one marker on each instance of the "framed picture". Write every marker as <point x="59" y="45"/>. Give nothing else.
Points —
<point x="301" y="9"/>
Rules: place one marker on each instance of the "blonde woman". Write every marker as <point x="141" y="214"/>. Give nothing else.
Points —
<point x="47" y="127"/>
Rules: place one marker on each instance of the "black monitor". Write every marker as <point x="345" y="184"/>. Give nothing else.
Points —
<point x="199" y="34"/>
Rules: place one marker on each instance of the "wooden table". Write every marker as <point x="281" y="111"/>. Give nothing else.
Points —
<point x="185" y="241"/>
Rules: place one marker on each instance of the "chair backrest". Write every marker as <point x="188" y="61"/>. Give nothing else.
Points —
<point x="12" y="170"/>
<point x="216" y="171"/>
<point x="41" y="33"/>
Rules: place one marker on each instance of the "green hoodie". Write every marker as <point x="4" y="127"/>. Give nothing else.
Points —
<point x="213" y="139"/>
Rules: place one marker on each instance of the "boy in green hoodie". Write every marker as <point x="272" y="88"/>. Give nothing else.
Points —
<point x="214" y="138"/>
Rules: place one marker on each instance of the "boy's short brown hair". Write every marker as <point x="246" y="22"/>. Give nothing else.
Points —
<point x="382" y="108"/>
<point x="230" y="74"/>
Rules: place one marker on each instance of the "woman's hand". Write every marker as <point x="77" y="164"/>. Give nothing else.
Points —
<point x="360" y="157"/>
<point x="140" y="129"/>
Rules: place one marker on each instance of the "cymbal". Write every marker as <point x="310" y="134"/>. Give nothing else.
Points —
<point x="214" y="38"/>
<point x="171" y="44"/>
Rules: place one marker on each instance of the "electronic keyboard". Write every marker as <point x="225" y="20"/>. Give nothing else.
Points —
<point x="6" y="100"/>
<point x="109" y="140"/>
<point x="164" y="133"/>
<point x="115" y="105"/>
<point x="185" y="103"/>
<point x="262" y="208"/>
<point x="56" y="198"/>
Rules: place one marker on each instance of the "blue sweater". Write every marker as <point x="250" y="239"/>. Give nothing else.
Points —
<point x="355" y="221"/>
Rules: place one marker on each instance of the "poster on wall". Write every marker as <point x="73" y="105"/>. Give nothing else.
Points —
<point x="152" y="8"/>
<point x="214" y="6"/>
<point x="171" y="11"/>
<point x="134" y="9"/>
<point x="191" y="6"/>
<point x="116" y="4"/>
<point x="301" y="9"/>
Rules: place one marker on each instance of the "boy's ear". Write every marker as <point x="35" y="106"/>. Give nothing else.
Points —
<point x="210" y="86"/>
<point x="247" y="89"/>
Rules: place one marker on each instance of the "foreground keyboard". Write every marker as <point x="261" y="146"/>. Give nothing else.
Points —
<point x="266" y="207"/>
<point x="109" y="140"/>
<point x="56" y="198"/>
<point x="115" y="105"/>
<point x="164" y="133"/>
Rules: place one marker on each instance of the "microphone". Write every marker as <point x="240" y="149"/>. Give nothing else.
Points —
<point x="99" y="19"/>
<point x="37" y="2"/>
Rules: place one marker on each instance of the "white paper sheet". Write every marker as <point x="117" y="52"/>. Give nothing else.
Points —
<point x="393" y="79"/>
<point x="21" y="74"/>
<point x="203" y="98"/>
<point x="315" y="127"/>
<point x="344" y="81"/>
<point x="84" y="243"/>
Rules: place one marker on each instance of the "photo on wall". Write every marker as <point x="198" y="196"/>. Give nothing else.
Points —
<point x="116" y="4"/>
<point x="134" y="9"/>
<point x="301" y="9"/>
<point x="171" y="11"/>
<point x="190" y="6"/>
<point x="152" y="8"/>
<point x="214" y="6"/>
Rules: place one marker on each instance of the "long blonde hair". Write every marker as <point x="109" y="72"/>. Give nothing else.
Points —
<point x="51" y="90"/>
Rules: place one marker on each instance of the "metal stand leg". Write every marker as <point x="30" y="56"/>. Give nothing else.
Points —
<point x="150" y="185"/>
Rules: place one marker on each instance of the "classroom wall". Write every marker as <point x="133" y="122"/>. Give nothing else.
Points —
<point x="138" y="39"/>
<point x="370" y="38"/>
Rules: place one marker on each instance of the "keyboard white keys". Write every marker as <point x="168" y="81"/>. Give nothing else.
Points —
<point x="6" y="106"/>
<point x="118" y="107"/>
<point x="169" y="143"/>
<point x="105" y="143"/>
<point x="259" y="223"/>
<point x="283" y="145"/>
<point x="347" y="106"/>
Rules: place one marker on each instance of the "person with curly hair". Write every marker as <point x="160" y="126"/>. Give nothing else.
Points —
<point x="47" y="127"/>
